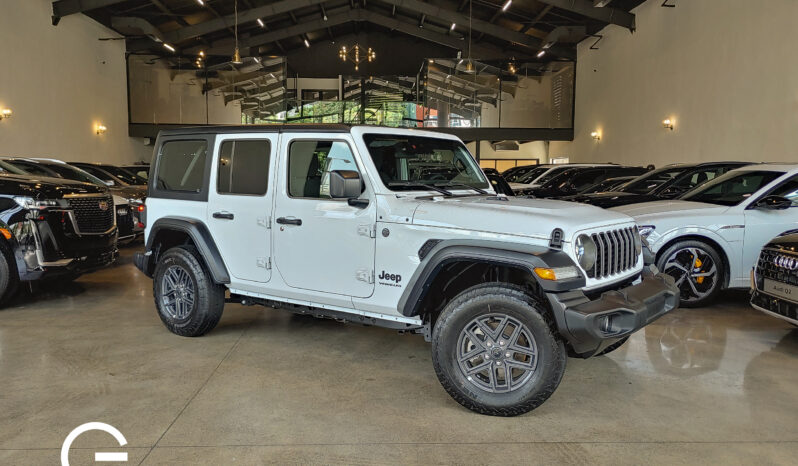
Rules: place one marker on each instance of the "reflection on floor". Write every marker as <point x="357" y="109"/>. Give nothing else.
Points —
<point x="700" y="385"/>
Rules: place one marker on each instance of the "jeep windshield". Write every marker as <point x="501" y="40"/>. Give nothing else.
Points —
<point x="406" y="163"/>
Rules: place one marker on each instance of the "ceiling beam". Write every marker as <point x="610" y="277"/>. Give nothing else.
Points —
<point x="274" y="9"/>
<point x="451" y="16"/>
<point x="536" y="19"/>
<point x="605" y="15"/>
<point x="63" y="8"/>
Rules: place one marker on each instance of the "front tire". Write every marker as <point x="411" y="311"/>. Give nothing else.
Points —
<point x="495" y="353"/>
<point x="698" y="270"/>
<point x="9" y="277"/>
<point x="189" y="303"/>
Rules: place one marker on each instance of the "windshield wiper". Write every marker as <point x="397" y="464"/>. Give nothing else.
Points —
<point x="413" y="184"/>
<point x="463" y="185"/>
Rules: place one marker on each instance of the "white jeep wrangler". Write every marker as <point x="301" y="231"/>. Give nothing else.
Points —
<point x="396" y="228"/>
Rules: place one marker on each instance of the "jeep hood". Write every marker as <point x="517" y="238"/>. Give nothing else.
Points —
<point x="514" y="216"/>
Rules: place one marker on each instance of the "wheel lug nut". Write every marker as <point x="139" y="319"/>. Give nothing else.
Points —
<point x="506" y="355"/>
<point x="490" y="344"/>
<point x="498" y="363"/>
<point x="501" y="343"/>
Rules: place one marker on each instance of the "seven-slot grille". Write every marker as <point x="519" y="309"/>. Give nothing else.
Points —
<point x="767" y="267"/>
<point x="90" y="215"/>
<point x="615" y="252"/>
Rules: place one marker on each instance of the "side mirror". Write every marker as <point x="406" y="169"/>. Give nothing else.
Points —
<point x="773" y="203"/>
<point x="345" y="184"/>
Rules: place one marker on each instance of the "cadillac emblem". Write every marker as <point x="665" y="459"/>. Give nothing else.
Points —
<point x="786" y="262"/>
<point x="103" y="205"/>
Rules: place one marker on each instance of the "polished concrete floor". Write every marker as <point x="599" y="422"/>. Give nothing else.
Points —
<point x="717" y="385"/>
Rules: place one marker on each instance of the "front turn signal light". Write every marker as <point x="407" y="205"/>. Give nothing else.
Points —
<point x="558" y="273"/>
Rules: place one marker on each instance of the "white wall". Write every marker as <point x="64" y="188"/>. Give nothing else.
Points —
<point x="726" y="71"/>
<point x="60" y="81"/>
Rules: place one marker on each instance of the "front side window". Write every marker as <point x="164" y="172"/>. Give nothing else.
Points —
<point x="526" y="175"/>
<point x="732" y="188"/>
<point x="244" y="167"/>
<point x="310" y="163"/>
<point x="181" y="166"/>
<point x="787" y="189"/>
<point x="405" y="162"/>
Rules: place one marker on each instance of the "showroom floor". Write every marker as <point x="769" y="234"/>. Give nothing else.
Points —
<point x="700" y="385"/>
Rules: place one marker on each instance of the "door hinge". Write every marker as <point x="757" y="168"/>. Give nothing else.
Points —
<point x="365" y="275"/>
<point x="367" y="230"/>
<point x="265" y="222"/>
<point x="264" y="262"/>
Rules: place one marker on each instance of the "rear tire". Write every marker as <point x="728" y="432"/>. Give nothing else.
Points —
<point x="509" y="368"/>
<point x="189" y="303"/>
<point x="697" y="268"/>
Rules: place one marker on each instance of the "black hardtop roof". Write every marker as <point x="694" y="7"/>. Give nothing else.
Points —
<point x="282" y="128"/>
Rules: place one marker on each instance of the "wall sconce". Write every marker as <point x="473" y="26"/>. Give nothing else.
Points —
<point x="596" y="135"/>
<point x="5" y="114"/>
<point x="100" y="129"/>
<point x="667" y="124"/>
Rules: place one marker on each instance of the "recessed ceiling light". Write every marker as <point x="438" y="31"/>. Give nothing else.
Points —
<point x="454" y="25"/>
<point x="307" y="44"/>
<point x="201" y="2"/>
<point x="541" y="53"/>
<point x="507" y="5"/>
<point x="260" y="23"/>
<point x="168" y="47"/>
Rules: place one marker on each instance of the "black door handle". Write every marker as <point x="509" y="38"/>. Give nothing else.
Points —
<point x="223" y="215"/>
<point x="289" y="221"/>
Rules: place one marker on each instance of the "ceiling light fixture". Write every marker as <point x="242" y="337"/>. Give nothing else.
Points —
<point x="260" y="23"/>
<point x="236" y="53"/>
<point x="201" y="2"/>
<point x="5" y="114"/>
<point x="507" y="5"/>
<point x="168" y="47"/>
<point x="356" y="55"/>
<point x="541" y="53"/>
<point x="596" y="135"/>
<point x="667" y="124"/>
<point x="454" y="25"/>
<point x="100" y="128"/>
<point x="307" y="44"/>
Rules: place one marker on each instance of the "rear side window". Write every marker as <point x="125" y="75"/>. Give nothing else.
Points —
<point x="244" y="167"/>
<point x="181" y="166"/>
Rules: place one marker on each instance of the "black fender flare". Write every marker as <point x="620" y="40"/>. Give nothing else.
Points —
<point x="201" y="236"/>
<point x="526" y="257"/>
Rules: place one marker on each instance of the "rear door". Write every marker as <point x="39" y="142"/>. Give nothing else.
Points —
<point x="240" y="204"/>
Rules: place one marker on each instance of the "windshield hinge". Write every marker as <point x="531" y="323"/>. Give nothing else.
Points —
<point x="365" y="275"/>
<point x="264" y="262"/>
<point x="265" y="222"/>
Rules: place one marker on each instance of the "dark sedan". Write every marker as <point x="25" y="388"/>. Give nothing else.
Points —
<point x="664" y="183"/>
<point x="575" y="179"/>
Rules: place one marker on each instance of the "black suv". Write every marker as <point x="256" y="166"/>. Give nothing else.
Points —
<point x="51" y="227"/>
<point x="668" y="182"/>
<point x="774" y="280"/>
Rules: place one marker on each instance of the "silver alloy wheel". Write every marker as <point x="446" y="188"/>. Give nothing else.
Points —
<point x="695" y="272"/>
<point x="177" y="292"/>
<point x="497" y="353"/>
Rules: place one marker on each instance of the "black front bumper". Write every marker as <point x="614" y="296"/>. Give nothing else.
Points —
<point x="590" y="326"/>
<point x="142" y="262"/>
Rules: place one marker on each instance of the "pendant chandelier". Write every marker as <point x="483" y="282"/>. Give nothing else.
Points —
<point x="357" y="55"/>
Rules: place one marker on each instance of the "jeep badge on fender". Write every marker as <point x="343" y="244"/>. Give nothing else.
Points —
<point x="471" y="271"/>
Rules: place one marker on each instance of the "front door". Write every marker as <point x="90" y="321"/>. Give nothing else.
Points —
<point x="762" y="225"/>
<point x="240" y="201"/>
<point x="322" y="244"/>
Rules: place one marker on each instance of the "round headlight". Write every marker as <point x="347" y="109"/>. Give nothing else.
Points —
<point x="585" y="251"/>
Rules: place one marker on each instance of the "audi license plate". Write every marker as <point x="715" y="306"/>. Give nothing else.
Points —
<point x="781" y="290"/>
